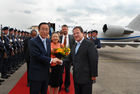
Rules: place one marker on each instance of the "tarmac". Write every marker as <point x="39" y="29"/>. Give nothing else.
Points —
<point x="119" y="71"/>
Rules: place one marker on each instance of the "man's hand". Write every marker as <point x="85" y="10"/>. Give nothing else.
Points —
<point x="57" y="61"/>
<point x="93" y="79"/>
<point x="54" y="60"/>
<point x="60" y="62"/>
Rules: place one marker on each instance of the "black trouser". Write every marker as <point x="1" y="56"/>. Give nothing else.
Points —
<point x="14" y="62"/>
<point x="83" y="88"/>
<point x="28" y="63"/>
<point x="9" y="65"/>
<point x="4" y="67"/>
<point x="1" y="61"/>
<point x="67" y="75"/>
<point x="17" y="60"/>
<point x="38" y="87"/>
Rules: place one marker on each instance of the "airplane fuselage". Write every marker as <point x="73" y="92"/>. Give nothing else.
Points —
<point x="121" y="38"/>
<point x="117" y="36"/>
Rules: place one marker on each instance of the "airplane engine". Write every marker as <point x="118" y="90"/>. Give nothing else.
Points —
<point x="110" y="30"/>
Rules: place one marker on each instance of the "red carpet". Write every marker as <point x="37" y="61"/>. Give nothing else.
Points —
<point x="21" y="86"/>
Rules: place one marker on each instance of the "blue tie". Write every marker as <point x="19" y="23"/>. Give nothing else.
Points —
<point x="77" y="47"/>
<point x="44" y="42"/>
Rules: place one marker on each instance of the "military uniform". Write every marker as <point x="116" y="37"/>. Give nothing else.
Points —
<point x="5" y="64"/>
<point x="1" y="57"/>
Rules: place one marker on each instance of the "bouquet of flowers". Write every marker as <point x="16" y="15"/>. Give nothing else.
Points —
<point x="61" y="52"/>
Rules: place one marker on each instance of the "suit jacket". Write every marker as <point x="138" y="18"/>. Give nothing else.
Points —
<point x="39" y="59"/>
<point x="71" y="40"/>
<point x="85" y="62"/>
<point x="26" y="49"/>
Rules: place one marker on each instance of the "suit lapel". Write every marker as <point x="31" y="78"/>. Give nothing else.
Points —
<point x="69" y="39"/>
<point x="48" y="46"/>
<point x="74" y="46"/>
<point x="40" y="43"/>
<point x="60" y="39"/>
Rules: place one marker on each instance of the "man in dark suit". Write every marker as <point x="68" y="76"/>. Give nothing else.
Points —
<point x="26" y="52"/>
<point x="40" y="60"/>
<point x="84" y="57"/>
<point x="67" y="41"/>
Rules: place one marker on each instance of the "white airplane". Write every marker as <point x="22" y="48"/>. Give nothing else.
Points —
<point x="111" y="35"/>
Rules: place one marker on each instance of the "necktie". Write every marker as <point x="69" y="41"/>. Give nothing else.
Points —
<point x="91" y="39"/>
<point x="65" y="41"/>
<point x="44" y="42"/>
<point x="77" y="47"/>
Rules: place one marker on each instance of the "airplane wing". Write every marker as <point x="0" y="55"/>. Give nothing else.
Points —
<point x="120" y="44"/>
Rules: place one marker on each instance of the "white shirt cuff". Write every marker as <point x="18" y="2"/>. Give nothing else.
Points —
<point x="51" y="61"/>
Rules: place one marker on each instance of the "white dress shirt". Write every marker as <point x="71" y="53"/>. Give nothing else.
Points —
<point x="78" y="45"/>
<point x="67" y="40"/>
<point x="44" y="42"/>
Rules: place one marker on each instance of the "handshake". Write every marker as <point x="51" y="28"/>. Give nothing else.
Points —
<point x="56" y="61"/>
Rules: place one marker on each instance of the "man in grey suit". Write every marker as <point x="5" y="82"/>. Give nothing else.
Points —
<point x="84" y="57"/>
<point x="67" y="41"/>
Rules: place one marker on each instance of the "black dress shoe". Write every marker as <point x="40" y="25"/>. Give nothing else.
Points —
<point x="8" y="75"/>
<point x="11" y="72"/>
<point x="1" y="80"/>
<point x="5" y="76"/>
<point x="67" y="90"/>
<point x="28" y="85"/>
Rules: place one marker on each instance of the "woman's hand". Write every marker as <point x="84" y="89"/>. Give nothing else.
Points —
<point x="53" y="64"/>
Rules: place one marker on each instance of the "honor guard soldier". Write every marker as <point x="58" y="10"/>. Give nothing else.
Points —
<point x="17" y="46"/>
<point x="12" y="46"/>
<point x="22" y="38"/>
<point x="96" y="41"/>
<point x="6" y="42"/>
<point x="1" y="55"/>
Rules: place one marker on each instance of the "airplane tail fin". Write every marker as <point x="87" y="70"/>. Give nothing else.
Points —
<point x="135" y="23"/>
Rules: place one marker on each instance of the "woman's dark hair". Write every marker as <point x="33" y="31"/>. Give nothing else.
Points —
<point x="79" y="27"/>
<point x="42" y="24"/>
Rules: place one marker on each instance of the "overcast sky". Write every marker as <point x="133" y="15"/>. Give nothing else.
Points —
<point x="22" y="14"/>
